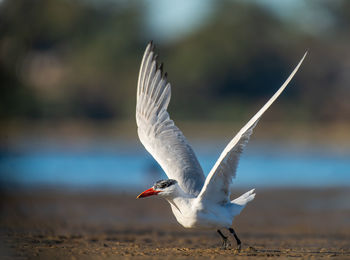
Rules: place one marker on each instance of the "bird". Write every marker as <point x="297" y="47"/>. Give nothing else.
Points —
<point x="196" y="201"/>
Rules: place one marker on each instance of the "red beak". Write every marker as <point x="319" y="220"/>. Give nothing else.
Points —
<point x="147" y="193"/>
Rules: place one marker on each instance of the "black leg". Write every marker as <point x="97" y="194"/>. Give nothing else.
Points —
<point x="236" y="237"/>
<point x="225" y="242"/>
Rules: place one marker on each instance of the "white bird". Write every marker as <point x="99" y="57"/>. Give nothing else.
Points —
<point x="196" y="201"/>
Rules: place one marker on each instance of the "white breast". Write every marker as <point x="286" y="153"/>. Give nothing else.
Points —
<point x="191" y="214"/>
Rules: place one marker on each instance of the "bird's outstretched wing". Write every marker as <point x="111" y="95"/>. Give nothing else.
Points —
<point x="217" y="184"/>
<point x="158" y="133"/>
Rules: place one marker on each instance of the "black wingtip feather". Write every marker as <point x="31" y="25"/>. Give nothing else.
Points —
<point x="161" y="67"/>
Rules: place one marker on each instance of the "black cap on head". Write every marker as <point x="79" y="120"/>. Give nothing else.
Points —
<point x="162" y="184"/>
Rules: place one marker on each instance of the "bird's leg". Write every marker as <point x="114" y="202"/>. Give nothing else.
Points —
<point x="236" y="237"/>
<point x="225" y="242"/>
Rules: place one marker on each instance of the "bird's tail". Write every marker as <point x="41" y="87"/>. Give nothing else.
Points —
<point x="245" y="198"/>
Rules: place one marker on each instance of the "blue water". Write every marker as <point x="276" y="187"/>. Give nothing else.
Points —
<point x="122" y="167"/>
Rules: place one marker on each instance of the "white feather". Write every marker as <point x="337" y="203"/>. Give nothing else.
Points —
<point x="217" y="184"/>
<point x="158" y="132"/>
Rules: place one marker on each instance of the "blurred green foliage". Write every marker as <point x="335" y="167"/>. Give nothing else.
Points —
<point x="64" y="59"/>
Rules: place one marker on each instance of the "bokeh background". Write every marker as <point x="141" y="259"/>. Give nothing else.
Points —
<point x="68" y="73"/>
<point x="71" y="163"/>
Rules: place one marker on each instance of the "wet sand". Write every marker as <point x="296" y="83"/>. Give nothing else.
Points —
<point x="290" y="223"/>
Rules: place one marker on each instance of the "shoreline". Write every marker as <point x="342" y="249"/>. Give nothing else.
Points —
<point x="44" y="224"/>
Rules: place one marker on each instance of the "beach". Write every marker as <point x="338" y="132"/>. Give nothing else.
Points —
<point x="95" y="224"/>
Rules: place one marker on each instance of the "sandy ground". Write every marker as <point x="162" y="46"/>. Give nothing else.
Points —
<point x="291" y="223"/>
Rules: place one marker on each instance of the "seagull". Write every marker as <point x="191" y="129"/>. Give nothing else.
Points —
<point x="196" y="201"/>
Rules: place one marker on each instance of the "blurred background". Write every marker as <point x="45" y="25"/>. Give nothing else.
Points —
<point x="68" y="74"/>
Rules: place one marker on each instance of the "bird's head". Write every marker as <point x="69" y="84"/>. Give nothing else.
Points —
<point x="164" y="188"/>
